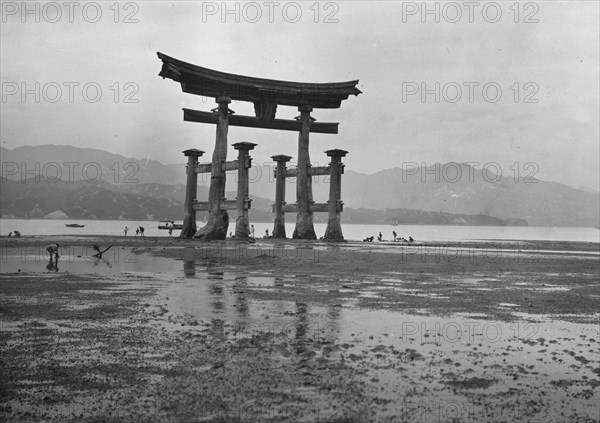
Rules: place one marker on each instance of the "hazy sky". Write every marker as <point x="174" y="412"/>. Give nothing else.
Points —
<point x="548" y="73"/>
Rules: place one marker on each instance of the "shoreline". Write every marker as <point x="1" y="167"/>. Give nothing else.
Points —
<point x="120" y="240"/>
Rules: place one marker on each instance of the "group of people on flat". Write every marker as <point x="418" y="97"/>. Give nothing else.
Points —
<point x="251" y="233"/>
<point x="401" y="239"/>
<point x="395" y="235"/>
<point x="367" y="239"/>
<point x="16" y="234"/>
<point x="140" y="231"/>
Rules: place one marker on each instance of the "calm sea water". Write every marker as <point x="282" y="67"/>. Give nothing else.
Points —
<point x="351" y="232"/>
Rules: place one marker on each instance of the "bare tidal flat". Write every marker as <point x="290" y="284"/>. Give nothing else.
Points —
<point x="172" y="330"/>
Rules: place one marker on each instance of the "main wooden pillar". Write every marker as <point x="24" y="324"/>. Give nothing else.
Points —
<point x="304" y="218"/>
<point x="242" y="226"/>
<point x="218" y="219"/>
<point x="279" y="226"/>
<point x="334" y="227"/>
<point x="191" y="189"/>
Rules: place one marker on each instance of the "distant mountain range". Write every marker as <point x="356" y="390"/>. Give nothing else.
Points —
<point x="102" y="200"/>
<point x="89" y="164"/>
<point x="98" y="184"/>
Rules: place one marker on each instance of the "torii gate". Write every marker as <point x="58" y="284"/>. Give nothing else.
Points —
<point x="266" y="94"/>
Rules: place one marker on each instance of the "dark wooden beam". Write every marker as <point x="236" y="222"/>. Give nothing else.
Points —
<point x="225" y="205"/>
<point x="190" y="115"/>
<point x="314" y="207"/>
<point x="207" y="167"/>
<point x="313" y="171"/>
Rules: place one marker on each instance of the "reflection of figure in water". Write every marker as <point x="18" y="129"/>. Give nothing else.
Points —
<point x="141" y="231"/>
<point x="125" y="230"/>
<point x="52" y="265"/>
<point x="53" y="252"/>
<point x="99" y="253"/>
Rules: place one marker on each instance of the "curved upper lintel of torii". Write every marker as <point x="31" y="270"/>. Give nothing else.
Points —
<point x="266" y="94"/>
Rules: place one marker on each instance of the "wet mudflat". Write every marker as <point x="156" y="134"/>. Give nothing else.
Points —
<point x="290" y="331"/>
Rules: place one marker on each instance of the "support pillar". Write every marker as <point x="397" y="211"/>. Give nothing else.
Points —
<point x="279" y="225"/>
<point x="304" y="218"/>
<point x="191" y="189"/>
<point x="218" y="219"/>
<point x="334" y="227"/>
<point x="242" y="227"/>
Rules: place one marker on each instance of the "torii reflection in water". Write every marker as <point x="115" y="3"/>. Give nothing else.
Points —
<point x="52" y="265"/>
<point x="325" y="330"/>
<point x="241" y="301"/>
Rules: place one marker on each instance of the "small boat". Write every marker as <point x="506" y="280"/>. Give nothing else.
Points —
<point x="74" y="225"/>
<point x="169" y="224"/>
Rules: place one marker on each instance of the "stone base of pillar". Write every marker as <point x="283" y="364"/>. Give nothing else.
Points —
<point x="216" y="227"/>
<point x="189" y="227"/>
<point x="279" y="230"/>
<point x="242" y="228"/>
<point x="333" y="231"/>
<point x="304" y="228"/>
